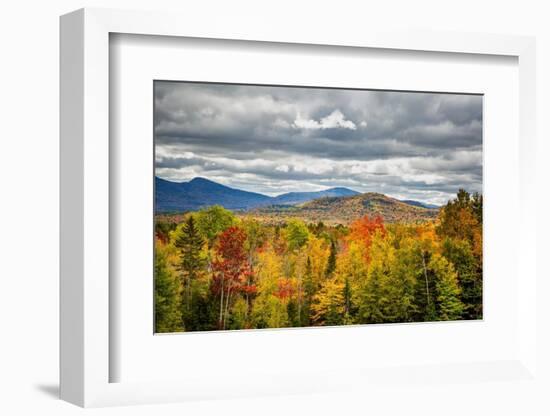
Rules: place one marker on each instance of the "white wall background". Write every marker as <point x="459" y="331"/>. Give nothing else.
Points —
<point x="29" y="202"/>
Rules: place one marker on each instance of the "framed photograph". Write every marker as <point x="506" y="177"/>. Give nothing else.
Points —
<point x="271" y="212"/>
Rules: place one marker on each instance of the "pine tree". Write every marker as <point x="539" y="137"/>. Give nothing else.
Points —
<point x="309" y="291"/>
<point x="477" y="206"/>
<point x="461" y="229"/>
<point x="331" y="263"/>
<point x="459" y="253"/>
<point x="189" y="243"/>
<point x="167" y="294"/>
<point x="448" y="304"/>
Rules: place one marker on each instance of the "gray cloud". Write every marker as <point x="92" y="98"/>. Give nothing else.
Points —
<point x="278" y="139"/>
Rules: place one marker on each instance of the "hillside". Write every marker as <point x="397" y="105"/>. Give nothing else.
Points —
<point x="343" y="210"/>
<point x="294" y="198"/>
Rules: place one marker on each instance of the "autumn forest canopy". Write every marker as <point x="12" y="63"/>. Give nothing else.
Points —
<point x="294" y="206"/>
<point x="220" y="270"/>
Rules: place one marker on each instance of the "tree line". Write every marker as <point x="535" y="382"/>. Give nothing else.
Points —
<point x="215" y="271"/>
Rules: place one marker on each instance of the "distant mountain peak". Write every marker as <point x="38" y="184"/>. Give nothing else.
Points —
<point x="201" y="192"/>
<point x="341" y="188"/>
<point x="200" y="179"/>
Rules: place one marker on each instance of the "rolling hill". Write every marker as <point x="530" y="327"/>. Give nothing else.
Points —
<point x="343" y="210"/>
<point x="294" y="198"/>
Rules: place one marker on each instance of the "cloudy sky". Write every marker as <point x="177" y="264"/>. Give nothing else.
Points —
<point x="280" y="139"/>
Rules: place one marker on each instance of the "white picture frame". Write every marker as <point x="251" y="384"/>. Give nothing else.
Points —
<point x="85" y="353"/>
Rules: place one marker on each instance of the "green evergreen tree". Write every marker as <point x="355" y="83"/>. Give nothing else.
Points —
<point x="477" y="206"/>
<point x="309" y="292"/>
<point x="459" y="253"/>
<point x="292" y="312"/>
<point x="331" y="264"/>
<point x="448" y="304"/>
<point x="388" y="294"/>
<point x="167" y="295"/>
<point x="189" y="243"/>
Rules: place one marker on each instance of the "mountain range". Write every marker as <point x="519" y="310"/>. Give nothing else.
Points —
<point x="334" y="204"/>
<point x="200" y="192"/>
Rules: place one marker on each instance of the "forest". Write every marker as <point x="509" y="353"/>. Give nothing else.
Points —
<point x="215" y="270"/>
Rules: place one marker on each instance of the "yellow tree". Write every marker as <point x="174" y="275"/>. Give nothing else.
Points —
<point x="352" y="271"/>
<point x="318" y="252"/>
<point x="269" y="310"/>
<point x="329" y="303"/>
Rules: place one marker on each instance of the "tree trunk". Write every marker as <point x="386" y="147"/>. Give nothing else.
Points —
<point x="300" y="300"/>
<point x="220" y="319"/>
<point x="188" y="294"/>
<point x="228" y="298"/>
<point x="426" y="279"/>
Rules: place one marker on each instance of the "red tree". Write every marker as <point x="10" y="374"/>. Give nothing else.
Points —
<point x="365" y="228"/>
<point x="285" y="289"/>
<point x="230" y="268"/>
